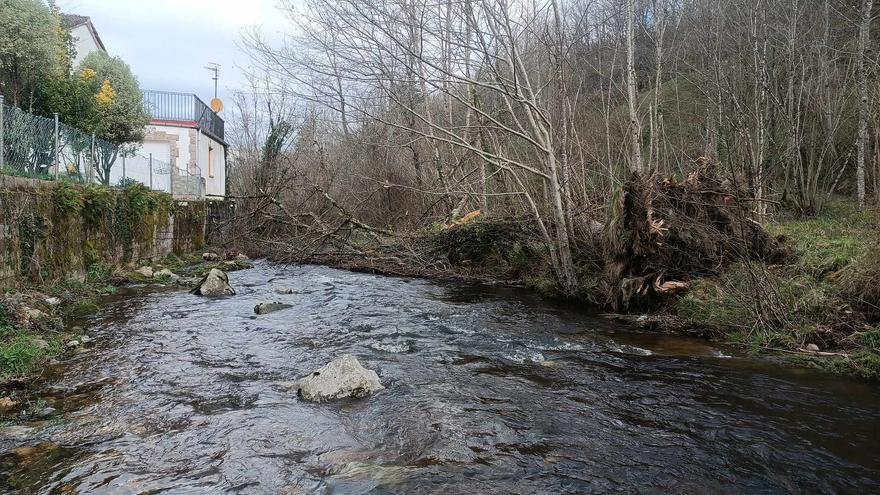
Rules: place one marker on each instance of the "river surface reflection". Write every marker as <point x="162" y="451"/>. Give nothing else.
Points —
<point x="488" y="391"/>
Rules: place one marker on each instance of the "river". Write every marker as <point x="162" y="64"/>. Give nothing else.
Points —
<point x="487" y="391"/>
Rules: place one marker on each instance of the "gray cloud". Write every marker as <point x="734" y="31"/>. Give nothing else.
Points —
<point x="168" y="42"/>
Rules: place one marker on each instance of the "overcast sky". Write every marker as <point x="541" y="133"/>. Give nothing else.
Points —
<point x="167" y="43"/>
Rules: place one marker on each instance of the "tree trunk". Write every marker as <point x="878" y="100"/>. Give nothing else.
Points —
<point x="864" y="36"/>
<point x="635" y="126"/>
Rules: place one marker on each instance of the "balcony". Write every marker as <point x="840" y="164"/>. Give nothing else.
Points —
<point x="167" y="107"/>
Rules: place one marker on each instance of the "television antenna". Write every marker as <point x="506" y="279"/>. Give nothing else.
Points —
<point x="216" y="103"/>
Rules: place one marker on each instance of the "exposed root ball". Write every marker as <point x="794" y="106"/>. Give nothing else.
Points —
<point x="662" y="232"/>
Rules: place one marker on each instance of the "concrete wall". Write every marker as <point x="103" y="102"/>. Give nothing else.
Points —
<point x="215" y="184"/>
<point x="42" y="240"/>
<point x="164" y="144"/>
<point x="84" y="42"/>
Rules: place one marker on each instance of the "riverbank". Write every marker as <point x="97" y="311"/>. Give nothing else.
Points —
<point x="487" y="389"/>
<point x="42" y="324"/>
<point x="817" y="306"/>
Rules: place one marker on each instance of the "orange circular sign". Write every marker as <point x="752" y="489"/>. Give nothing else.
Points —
<point x="217" y="105"/>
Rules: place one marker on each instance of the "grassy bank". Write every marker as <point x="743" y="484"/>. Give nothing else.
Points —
<point x="35" y="322"/>
<point x="820" y="309"/>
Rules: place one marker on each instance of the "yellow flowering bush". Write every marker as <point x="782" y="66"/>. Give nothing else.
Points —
<point x="107" y="94"/>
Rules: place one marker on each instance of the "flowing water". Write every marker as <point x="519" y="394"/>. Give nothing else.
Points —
<point x="488" y="391"/>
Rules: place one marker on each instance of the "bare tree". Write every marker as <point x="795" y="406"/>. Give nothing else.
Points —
<point x="414" y="113"/>
<point x="635" y="126"/>
<point x="864" y="103"/>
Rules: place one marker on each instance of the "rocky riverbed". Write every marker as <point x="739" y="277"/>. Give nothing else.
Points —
<point x="484" y="391"/>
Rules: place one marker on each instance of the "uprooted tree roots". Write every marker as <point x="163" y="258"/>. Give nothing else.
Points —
<point x="661" y="233"/>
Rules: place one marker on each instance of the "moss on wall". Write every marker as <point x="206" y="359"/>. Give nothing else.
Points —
<point x="189" y="222"/>
<point x="52" y="230"/>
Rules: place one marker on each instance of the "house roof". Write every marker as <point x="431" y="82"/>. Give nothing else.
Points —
<point x="75" y="21"/>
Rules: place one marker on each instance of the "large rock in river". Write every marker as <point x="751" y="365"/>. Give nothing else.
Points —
<point x="343" y="377"/>
<point x="214" y="284"/>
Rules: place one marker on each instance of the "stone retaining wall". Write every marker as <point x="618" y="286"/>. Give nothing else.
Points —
<point x="43" y="238"/>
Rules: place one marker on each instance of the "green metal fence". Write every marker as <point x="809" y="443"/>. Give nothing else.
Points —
<point x="44" y="148"/>
<point x="34" y="146"/>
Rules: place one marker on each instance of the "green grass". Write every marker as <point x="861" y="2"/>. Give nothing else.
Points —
<point x="81" y="296"/>
<point x="176" y="262"/>
<point x="861" y="363"/>
<point x="19" y="355"/>
<point x="830" y="241"/>
<point x="20" y="352"/>
<point x="812" y="299"/>
<point x="870" y="340"/>
<point x="708" y="303"/>
<point x="15" y="172"/>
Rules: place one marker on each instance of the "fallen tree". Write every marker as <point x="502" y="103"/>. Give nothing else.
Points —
<point x="661" y="233"/>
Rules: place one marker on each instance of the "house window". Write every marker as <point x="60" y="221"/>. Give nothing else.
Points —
<point x="210" y="161"/>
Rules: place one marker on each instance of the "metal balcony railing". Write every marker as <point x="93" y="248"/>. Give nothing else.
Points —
<point x="184" y="107"/>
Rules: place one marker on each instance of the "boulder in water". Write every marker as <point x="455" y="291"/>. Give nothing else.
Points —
<point x="343" y="377"/>
<point x="214" y="284"/>
<point x="270" y="307"/>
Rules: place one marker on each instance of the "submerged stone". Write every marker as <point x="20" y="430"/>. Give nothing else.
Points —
<point x="47" y="411"/>
<point x="270" y="307"/>
<point x="343" y="377"/>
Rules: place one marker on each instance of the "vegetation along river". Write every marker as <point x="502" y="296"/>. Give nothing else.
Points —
<point x="487" y="391"/>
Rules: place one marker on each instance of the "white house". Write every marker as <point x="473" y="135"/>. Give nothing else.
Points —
<point x="186" y="134"/>
<point x="184" y="141"/>
<point x="85" y="37"/>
